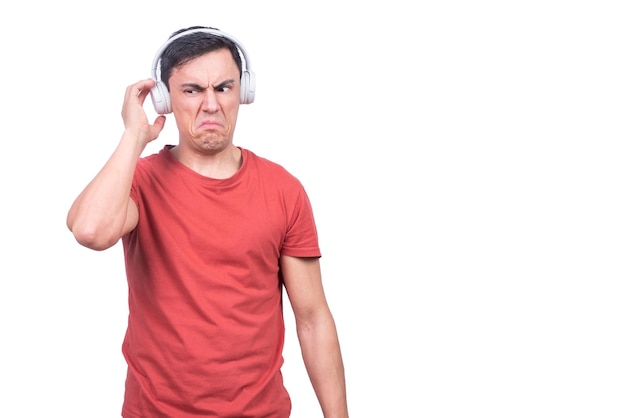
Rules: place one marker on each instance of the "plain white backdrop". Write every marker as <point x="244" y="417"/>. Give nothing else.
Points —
<point x="465" y="161"/>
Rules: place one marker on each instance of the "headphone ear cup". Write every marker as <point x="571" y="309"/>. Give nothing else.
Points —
<point x="248" y="87"/>
<point x="160" y="98"/>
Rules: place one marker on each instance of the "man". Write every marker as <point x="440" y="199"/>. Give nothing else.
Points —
<point x="211" y="232"/>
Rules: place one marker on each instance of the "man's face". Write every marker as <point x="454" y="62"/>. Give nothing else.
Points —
<point x="204" y="94"/>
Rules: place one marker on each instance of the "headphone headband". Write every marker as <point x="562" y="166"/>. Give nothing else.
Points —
<point x="160" y="94"/>
<point x="239" y="45"/>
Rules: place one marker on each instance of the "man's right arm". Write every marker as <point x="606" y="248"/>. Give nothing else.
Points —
<point x="103" y="212"/>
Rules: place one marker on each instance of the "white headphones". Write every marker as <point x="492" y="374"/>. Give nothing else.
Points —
<point x="160" y="94"/>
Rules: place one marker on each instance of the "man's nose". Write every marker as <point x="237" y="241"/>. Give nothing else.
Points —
<point x="209" y="102"/>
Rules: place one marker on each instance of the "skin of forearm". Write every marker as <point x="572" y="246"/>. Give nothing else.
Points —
<point x="97" y="216"/>
<point x="322" y="357"/>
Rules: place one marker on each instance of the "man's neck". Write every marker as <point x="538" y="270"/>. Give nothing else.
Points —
<point x="218" y="165"/>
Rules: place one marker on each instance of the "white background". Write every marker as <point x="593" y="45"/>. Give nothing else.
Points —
<point x="465" y="161"/>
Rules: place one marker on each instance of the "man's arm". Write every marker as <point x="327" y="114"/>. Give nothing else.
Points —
<point x="103" y="212"/>
<point x="317" y="333"/>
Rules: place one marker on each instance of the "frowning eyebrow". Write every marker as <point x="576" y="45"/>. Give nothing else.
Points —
<point x="195" y="86"/>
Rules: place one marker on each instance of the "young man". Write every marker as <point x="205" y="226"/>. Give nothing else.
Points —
<point x="211" y="232"/>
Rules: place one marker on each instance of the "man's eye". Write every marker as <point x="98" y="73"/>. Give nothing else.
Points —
<point x="192" y="91"/>
<point x="223" y="88"/>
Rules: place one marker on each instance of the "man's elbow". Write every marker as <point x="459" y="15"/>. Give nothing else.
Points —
<point x="92" y="239"/>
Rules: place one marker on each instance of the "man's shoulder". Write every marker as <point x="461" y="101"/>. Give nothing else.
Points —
<point x="263" y="162"/>
<point x="269" y="169"/>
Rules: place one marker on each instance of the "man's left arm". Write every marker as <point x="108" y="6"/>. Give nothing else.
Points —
<point x="317" y="333"/>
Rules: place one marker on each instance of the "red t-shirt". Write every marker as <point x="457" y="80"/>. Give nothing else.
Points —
<point x="205" y="329"/>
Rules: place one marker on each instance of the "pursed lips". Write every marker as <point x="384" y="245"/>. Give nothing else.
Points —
<point x="210" y="124"/>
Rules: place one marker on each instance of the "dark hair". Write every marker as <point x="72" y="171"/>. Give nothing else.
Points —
<point x="189" y="47"/>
